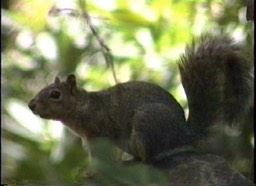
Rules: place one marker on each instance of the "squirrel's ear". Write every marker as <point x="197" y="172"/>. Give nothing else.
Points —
<point x="57" y="80"/>
<point x="71" y="81"/>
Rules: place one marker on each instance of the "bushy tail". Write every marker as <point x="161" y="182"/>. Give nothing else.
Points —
<point x="217" y="80"/>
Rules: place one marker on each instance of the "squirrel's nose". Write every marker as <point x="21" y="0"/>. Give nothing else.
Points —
<point x="32" y="105"/>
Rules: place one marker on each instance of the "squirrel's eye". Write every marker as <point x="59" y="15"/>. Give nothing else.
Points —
<point x="55" y="94"/>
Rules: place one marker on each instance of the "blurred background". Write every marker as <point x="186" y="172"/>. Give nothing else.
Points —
<point x="45" y="38"/>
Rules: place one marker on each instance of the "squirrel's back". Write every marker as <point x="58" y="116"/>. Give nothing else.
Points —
<point x="141" y="92"/>
<point x="131" y="95"/>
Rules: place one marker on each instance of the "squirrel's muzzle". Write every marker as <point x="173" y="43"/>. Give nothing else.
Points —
<point x="32" y="105"/>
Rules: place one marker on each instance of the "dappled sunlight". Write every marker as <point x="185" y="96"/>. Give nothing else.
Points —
<point x="39" y="129"/>
<point x="24" y="116"/>
<point x="24" y="39"/>
<point x="47" y="46"/>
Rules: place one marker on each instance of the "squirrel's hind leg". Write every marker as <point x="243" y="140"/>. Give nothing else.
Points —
<point x="156" y="129"/>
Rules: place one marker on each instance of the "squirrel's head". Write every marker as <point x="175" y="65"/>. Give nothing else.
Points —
<point x="55" y="101"/>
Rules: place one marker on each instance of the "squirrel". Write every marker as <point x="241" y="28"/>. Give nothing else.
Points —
<point x="145" y="120"/>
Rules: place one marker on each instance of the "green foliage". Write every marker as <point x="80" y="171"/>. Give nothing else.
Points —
<point x="146" y="39"/>
<point x="104" y="169"/>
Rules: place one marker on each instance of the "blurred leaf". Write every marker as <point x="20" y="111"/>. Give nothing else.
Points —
<point x="31" y="13"/>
